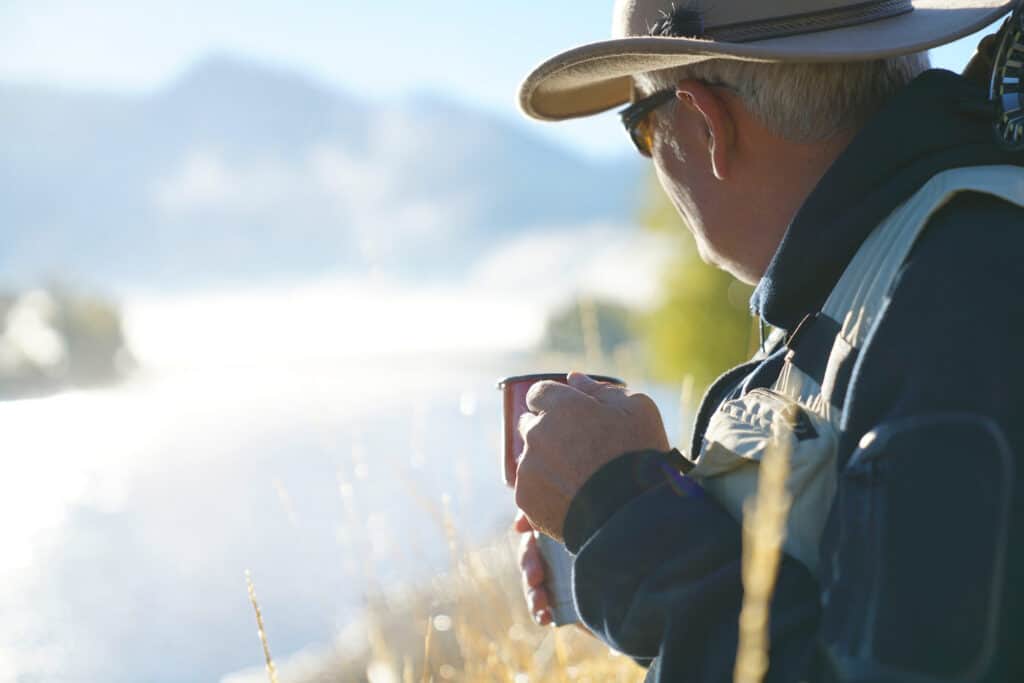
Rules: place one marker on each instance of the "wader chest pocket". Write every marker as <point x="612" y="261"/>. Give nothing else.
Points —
<point x="923" y="511"/>
<point x="734" y="444"/>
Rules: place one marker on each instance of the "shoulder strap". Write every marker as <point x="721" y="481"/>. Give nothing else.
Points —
<point x="863" y="291"/>
<point x="824" y="347"/>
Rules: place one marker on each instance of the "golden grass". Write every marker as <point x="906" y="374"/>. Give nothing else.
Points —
<point x="472" y="624"/>
<point x="468" y="625"/>
<point x="271" y="670"/>
<point x="764" y="529"/>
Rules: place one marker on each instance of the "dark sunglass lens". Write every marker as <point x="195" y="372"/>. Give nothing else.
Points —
<point x="643" y="135"/>
<point x="637" y="119"/>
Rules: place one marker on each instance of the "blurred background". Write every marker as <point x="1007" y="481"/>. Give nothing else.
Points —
<point x="261" y="264"/>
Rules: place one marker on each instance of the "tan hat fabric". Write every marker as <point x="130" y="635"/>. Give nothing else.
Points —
<point x="597" y="76"/>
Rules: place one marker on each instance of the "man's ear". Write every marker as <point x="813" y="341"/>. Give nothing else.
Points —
<point x="719" y="126"/>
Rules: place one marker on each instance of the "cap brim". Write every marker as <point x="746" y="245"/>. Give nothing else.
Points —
<point x="598" y="76"/>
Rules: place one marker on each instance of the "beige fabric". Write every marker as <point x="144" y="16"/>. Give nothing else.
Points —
<point x="598" y="76"/>
<point x="878" y="261"/>
<point x="739" y="430"/>
<point x="735" y="442"/>
<point x="633" y="18"/>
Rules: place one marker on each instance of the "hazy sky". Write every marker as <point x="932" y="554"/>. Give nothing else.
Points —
<point x="471" y="50"/>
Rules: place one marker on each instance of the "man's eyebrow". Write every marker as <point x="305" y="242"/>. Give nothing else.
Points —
<point x="679" y="23"/>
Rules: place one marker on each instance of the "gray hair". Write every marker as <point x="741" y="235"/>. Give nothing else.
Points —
<point x="802" y="102"/>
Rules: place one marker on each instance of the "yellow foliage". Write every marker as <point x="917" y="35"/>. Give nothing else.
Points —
<point x="701" y="327"/>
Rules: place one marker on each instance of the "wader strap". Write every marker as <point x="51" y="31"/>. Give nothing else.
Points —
<point x="813" y="348"/>
<point x="862" y="293"/>
<point x="824" y="347"/>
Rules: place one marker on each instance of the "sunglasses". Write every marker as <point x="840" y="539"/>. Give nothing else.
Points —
<point x="638" y="121"/>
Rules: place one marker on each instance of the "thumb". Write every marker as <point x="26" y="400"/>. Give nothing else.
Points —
<point x="522" y="524"/>
<point x="580" y="382"/>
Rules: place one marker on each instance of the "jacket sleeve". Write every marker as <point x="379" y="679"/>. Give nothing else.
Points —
<point x="657" y="576"/>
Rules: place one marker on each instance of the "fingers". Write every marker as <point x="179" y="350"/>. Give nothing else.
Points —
<point x="593" y="388"/>
<point x="526" y="422"/>
<point x="578" y="380"/>
<point x="521" y="523"/>
<point x="539" y="604"/>
<point x="544" y="396"/>
<point x="531" y="563"/>
<point x="642" y="404"/>
<point x="538" y="600"/>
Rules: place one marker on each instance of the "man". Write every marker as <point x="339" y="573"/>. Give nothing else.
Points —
<point x="811" y="152"/>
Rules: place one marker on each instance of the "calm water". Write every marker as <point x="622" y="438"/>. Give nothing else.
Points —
<point x="312" y="443"/>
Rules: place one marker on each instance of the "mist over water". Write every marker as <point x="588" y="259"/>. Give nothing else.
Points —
<point x="134" y="511"/>
<point x="314" y="434"/>
<point x="320" y="292"/>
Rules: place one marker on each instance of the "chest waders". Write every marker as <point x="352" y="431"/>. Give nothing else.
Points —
<point x="806" y="401"/>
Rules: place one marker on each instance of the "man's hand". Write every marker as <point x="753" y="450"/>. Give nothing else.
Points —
<point x="570" y="433"/>
<point x="532" y="570"/>
<point x="534" y="574"/>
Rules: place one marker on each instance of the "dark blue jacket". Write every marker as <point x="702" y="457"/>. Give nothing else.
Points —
<point x="922" y="559"/>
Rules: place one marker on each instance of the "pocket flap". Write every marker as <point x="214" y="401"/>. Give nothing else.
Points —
<point x="734" y="444"/>
<point x="738" y="432"/>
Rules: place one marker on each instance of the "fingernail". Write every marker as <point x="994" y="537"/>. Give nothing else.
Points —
<point x="538" y="616"/>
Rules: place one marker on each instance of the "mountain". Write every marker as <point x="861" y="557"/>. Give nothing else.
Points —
<point x="237" y="171"/>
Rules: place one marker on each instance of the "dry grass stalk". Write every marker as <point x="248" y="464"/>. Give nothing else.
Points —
<point x="754" y="336"/>
<point x="478" y="630"/>
<point x="688" y="400"/>
<point x="271" y="670"/>
<point x="593" y="355"/>
<point x="286" y="503"/>
<point x="426" y="650"/>
<point x="450" y="532"/>
<point x="764" y="530"/>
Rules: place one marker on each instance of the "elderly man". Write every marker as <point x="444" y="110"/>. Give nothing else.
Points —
<point x="879" y="208"/>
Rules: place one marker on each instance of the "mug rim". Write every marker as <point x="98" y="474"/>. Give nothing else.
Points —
<point x="555" y="376"/>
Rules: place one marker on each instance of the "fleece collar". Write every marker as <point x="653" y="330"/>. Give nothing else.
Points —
<point x="928" y="127"/>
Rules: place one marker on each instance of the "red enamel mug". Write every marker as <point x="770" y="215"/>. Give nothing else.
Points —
<point x="514" y="390"/>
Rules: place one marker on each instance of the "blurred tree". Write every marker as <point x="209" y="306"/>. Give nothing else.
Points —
<point x="701" y="326"/>
<point x="55" y="338"/>
<point x="96" y="347"/>
<point x="585" y="323"/>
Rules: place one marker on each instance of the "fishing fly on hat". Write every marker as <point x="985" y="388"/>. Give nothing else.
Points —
<point x="650" y="35"/>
